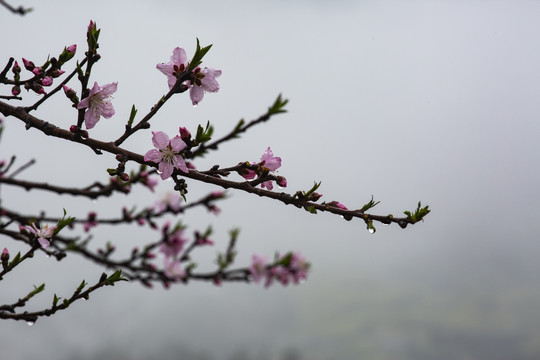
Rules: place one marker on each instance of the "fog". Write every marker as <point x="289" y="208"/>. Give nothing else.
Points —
<point x="432" y="101"/>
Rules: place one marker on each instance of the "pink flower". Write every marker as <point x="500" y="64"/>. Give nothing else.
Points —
<point x="43" y="234"/>
<point x="204" y="80"/>
<point x="166" y="154"/>
<point x="175" y="67"/>
<point x="90" y="222"/>
<point x="258" y="267"/>
<point x="269" y="161"/>
<point x="173" y="243"/>
<point x="72" y="48"/>
<point x="170" y="200"/>
<point x="173" y="269"/>
<point x="148" y="181"/>
<point x="98" y="104"/>
<point x="298" y="267"/>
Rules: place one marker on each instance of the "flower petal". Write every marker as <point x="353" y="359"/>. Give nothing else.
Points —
<point x="91" y="117"/>
<point x="196" y="93"/>
<point x="166" y="169"/>
<point x="153" y="155"/>
<point x="160" y="140"/>
<point x="179" y="163"/>
<point x="177" y="144"/>
<point x="179" y="56"/>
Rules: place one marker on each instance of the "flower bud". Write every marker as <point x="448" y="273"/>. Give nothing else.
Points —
<point x="124" y="177"/>
<point x="184" y="133"/>
<point x="16" y="68"/>
<point x="37" y="71"/>
<point x="314" y="196"/>
<point x="47" y="81"/>
<point x="56" y="73"/>
<point x="15" y="90"/>
<point x="5" y="258"/>
<point x="281" y="181"/>
<point x="71" y="49"/>
<point x="28" y="64"/>
<point x="5" y="255"/>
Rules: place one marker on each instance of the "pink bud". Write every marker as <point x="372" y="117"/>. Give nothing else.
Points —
<point x="56" y="73"/>
<point x="5" y="254"/>
<point x="314" y="196"/>
<point x="47" y="81"/>
<point x="16" y="68"/>
<point x="91" y="26"/>
<point x="37" y="71"/>
<point x="68" y="91"/>
<point x="16" y="90"/>
<point x="281" y="181"/>
<point x="71" y="49"/>
<point x="28" y="64"/>
<point x="184" y="133"/>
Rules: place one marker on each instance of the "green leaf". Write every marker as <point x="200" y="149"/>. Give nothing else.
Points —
<point x="63" y="222"/>
<point x="16" y="260"/>
<point x="315" y="187"/>
<point x="116" y="276"/>
<point x="369" y="205"/>
<point x="55" y="300"/>
<point x="277" y="106"/>
<point x="311" y="209"/>
<point x="81" y="286"/>
<point x="132" y="116"/>
<point x="203" y="134"/>
<point x="418" y="214"/>
<point x="198" y="56"/>
<point x="37" y="289"/>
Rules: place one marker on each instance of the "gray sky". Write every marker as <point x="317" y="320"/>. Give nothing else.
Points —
<point x="406" y="101"/>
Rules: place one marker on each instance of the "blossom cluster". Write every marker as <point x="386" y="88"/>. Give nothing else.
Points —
<point x="42" y="76"/>
<point x="291" y="267"/>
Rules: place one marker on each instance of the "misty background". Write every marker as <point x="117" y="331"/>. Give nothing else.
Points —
<point x="432" y="101"/>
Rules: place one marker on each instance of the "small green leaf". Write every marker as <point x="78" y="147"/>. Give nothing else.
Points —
<point x="37" y="289"/>
<point x="55" y="300"/>
<point x="418" y="214"/>
<point x="369" y="205"/>
<point x="315" y="187"/>
<point x="81" y="286"/>
<point x="277" y="106"/>
<point x="311" y="209"/>
<point x="16" y="260"/>
<point x="116" y="276"/>
<point x="132" y="116"/>
<point x="63" y="222"/>
<point x="198" y="56"/>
